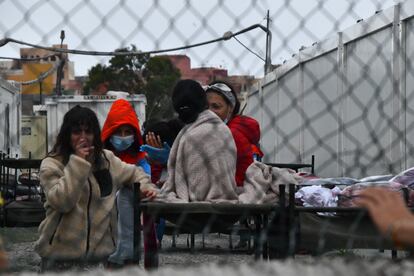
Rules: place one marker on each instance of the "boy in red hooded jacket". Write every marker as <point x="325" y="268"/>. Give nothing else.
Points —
<point x="122" y="135"/>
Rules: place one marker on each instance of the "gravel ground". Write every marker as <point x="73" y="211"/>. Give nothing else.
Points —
<point x="19" y="243"/>
<point x="216" y="259"/>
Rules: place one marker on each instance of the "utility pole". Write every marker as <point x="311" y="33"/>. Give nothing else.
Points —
<point x="59" y="73"/>
<point x="40" y="92"/>
<point x="268" y="59"/>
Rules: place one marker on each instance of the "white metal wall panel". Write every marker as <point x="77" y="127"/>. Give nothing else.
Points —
<point x="409" y="94"/>
<point x="321" y="108"/>
<point x="267" y="123"/>
<point x="358" y="125"/>
<point x="368" y="105"/>
<point x="282" y="114"/>
<point x="253" y="107"/>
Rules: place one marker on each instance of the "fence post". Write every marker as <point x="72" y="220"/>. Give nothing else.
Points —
<point x="278" y="229"/>
<point x="137" y="222"/>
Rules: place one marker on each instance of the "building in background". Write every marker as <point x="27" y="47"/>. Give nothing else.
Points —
<point x="27" y="72"/>
<point x="205" y="75"/>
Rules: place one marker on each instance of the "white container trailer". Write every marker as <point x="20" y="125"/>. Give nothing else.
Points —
<point x="10" y="112"/>
<point x="33" y="137"/>
<point x="58" y="106"/>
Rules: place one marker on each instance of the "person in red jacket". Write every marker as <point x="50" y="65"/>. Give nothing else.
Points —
<point x="223" y="101"/>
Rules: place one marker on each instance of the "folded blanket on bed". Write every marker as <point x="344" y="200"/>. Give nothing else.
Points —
<point x="262" y="181"/>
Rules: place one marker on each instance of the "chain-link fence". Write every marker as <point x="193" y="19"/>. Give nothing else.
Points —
<point x="327" y="81"/>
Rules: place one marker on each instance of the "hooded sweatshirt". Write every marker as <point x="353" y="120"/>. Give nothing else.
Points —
<point x="246" y="134"/>
<point x="122" y="113"/>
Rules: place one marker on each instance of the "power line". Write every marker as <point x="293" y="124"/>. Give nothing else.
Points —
<point x="41" y="76"/>
<point x="248" y="49"/>
<point x="226" y="36"/>
<point x="30" y="59"/>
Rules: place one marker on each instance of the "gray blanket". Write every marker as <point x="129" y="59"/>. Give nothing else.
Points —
<point x="262" y="181"/>
<point x="202" y="163"/>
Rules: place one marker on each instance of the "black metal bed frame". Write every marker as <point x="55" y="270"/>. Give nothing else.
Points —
<point x="276" y="225"/>
<point x="9" y="168"/>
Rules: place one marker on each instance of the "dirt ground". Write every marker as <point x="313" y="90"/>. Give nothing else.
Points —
<point x="19" y="244"/>
<point x="216" y="259"/>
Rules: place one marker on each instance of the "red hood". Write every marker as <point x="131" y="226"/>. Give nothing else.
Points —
<point x="248" y="126"/>
<point x="121" y="113"/>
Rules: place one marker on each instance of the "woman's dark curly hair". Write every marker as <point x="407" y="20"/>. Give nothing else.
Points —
<point x="76" y="117"/>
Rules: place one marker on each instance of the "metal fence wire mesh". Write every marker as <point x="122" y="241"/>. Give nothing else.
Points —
<point x="334" y="81"/>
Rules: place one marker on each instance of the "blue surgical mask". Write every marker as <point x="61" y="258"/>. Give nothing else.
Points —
<point x="121" y="143"/>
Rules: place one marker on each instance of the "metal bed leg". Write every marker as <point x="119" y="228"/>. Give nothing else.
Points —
<point x="394" y="254"/>
<point x="278" y="236"/>
<point x="313" y="164"/>
<point x="174" y="242"/>
<point x="192" y="239"/>
<point x="258" y="242"/>
<point x="137" y="223"/>
<point x="291" y="222"/>
<point x="265" y="242"/>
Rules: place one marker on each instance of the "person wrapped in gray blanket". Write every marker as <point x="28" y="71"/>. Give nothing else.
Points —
<point x="202" y="161"/>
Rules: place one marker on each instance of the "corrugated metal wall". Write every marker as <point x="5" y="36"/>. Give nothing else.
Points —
<point x="348" y="100"/>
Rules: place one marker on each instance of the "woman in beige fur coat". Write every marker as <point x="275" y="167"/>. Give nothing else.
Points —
<point x="80" y="180"/>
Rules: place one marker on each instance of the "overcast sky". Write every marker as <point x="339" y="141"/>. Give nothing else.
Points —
<point x="104" y="25"/>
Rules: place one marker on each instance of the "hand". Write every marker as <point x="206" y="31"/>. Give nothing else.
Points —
<point x="159" y="155"/>
<point x="160" y="183"/>
<point x="384" y="206"/>
<point x="83" y="150"/>
<point x="148" y="193"/>
<point x="153" y="141"/>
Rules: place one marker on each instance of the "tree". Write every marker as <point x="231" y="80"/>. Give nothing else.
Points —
<point x="97" y="75"/>
<point x="123" y="73"/>
<point x="160" y="75"/>
<point x="153" y="76"/>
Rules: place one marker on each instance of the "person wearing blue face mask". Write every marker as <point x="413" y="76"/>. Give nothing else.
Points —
<point x="121" y="143"/>
<point x="121" y="134"/>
